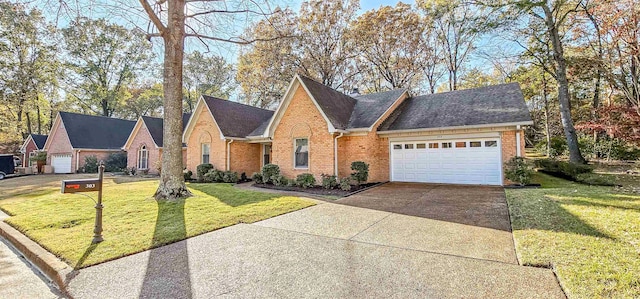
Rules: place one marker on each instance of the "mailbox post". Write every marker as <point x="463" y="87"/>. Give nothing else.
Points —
<point x="89" y="185"/>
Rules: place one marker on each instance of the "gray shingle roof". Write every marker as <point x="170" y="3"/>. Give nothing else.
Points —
<point x="369" y="107"/>
<point x="96" y="132"/>
<point x="235" y="119"/>
<point x="155" y="126"/>
<point x="486" y="105"/>
<point x="39" y="140"/>
<point x="335" y="105"/>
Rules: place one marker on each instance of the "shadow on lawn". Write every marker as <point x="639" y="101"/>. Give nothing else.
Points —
<point x="231" y="195"/>
<point x="167" y="274"/>
<point x="548" y="214"/>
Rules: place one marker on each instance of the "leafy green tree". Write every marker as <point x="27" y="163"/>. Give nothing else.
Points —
<point x="142" y="101"/>
<point x="208" y="75"/>
<point x="102" y="60"/>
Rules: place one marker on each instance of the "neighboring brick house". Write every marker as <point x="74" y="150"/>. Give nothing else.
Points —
<point x="458" y="137"/>
<point x="144" y="145"/>
<point x="74" y="137"/>
<point x="31" y="146"/>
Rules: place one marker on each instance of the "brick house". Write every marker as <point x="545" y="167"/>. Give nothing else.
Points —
<point x="74" y="137"/>
<point x="144" y="145"/>
<point x="31" y="146"/>
<point x="458" y="137"/>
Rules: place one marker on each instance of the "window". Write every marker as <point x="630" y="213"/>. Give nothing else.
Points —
<point x="301" y="153"/>
<point x="31" y="155"/>
<point x="143" y="158"/>
<point x="446" y="145"/>
<point x="433" y="145"/>
<point x="205" y="153"/>
<point x="475" y="144"/>
<point x="461" y="144"/>
<point x="266" y="159"/>
<point x="421" y="145"/>
<point x="397" y="146"/>
<point x="491" y="143"/>
<point x="408" y="146"/>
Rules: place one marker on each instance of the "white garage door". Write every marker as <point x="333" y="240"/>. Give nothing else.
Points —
<point x="61" y="163"/>
<point x="464" y="161"/>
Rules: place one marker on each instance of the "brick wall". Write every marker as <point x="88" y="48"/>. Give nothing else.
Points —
<point x="143" y="137"/>
<point x="302" y="119"/>
<point x="60" y="144"/>
<point x="31" y="146"/>
<point x="100" y="155"/>
<point x="509" y="146"/>
<point x="205" y="131"/>
<point x="245" y="157"/>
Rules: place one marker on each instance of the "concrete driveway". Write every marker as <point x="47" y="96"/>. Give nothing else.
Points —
<point x="329" y="250"/>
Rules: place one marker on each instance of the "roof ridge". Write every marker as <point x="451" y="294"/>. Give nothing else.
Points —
<point x="467" y="89"/>
<point x="379" y="92"/>
<point x="100" y="116"/>
<point x="230" y="101"/>
<point x="327" y="86"/>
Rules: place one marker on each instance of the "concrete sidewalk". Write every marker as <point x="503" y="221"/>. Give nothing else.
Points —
<point x="18" y="279"/>
<point x="260" y="260"/>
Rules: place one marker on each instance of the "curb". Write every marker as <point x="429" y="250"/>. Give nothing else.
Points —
<point x="46" y="262"/>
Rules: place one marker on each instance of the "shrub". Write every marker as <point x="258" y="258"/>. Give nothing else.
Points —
<point x="345" y="184"/>
<point x="291" y="183"/>
<point x="518" y="171"/>
<point x="230" y="177"/>
<point x="269" y="172"/>
<point x="360" y="172"/>
<point x="329" y="181"/>
<point x="203" y="169"/>
<point x="187" y="175"/>
<point x="562" y="169"/>
<point x="279" y="180"/>
<point x="243" y="177"/>
<point x="115" y="162"/>
<point x="305" y="180"/>
<point x="90" y="164"/>
<point x="133" y="170"/>
<point x="210" y="176"/>
<point x="257" y="177"/>
<point x="558" y="146"/>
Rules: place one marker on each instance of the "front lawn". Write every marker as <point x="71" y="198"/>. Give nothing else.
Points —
<point x="133" y="220"/>
<point x="589" y="235"/>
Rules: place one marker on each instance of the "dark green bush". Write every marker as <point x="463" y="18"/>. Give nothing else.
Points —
<point x="115" y="162"/>
<point x="291" y="183"/>
<point x="203" y="169"/>
<point x="90" y="164"/>
<point x="187" y="175"/>
<point x="230" y="177"/>
<point x="305" y="180"/>
<point x="329" y="181"/>
<point x="243" y="177"/>
<point x="595" y="179"/>
<point x="280" y="180"/>
<point x="345" y="184"/>
<point x="518" y="171"/>
<point x="360" y="172"/>
<point x="269" y="172"/>
<point x="562" y="169"/>
<point x="210" y="177"/>
<point x="257" y="177"/>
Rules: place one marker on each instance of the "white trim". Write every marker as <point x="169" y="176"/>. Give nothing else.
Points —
<point x="308" y="153"/>
<point x="284" y="104"/>
<point x="141" y="150"/>
<point x="496" y="125"/>
<point x="228" y="168"/>
<point x="191" y="123"/>
<point x="23" y="148"/>
<point x="202" y="152"/>
<point x="262" y="150"/>
<point x="448" y="136"/>
<point x="335" y="153"/>
<point x="518" y="152"/>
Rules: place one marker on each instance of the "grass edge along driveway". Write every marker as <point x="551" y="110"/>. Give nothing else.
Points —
<point x="589" y="235"/>
<point x="133" y="220"/>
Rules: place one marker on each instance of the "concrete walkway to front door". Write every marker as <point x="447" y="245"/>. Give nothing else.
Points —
<point x="328" y="250"/>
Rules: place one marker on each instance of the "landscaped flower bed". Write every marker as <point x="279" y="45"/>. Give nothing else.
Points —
<point x="319" y="189"/>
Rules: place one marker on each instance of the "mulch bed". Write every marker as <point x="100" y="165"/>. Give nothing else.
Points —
<point x="319" y="190"/>
<point x="528" y="186"/>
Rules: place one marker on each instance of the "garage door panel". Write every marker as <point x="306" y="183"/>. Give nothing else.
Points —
<point x="455" y="165"/>
<point x="61" y="163"/>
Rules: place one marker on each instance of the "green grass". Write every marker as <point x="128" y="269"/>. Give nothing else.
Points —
<point x="133" y="220"/>
<point x="589" y="235"/>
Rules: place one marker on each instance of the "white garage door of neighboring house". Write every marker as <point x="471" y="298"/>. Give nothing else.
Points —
<point x="457" y="161"/>
<point x="61" y="163"/>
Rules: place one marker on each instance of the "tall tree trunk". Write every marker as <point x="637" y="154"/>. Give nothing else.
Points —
<point x="39" y="118"/>
<point x="28" y="125"/>
<point x="575" y="155"/>
<point x="545" y="96"/>
<point x="172" y="184"/>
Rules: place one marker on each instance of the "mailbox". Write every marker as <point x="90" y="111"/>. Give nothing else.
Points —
<point x="75" y="186"/>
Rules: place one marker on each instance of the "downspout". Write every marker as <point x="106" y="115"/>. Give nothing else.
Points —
<point x="518" y="152"/>
<point x="229" y="154"/>
<point x="77" y="160"/>
<point x="335" y="153"/>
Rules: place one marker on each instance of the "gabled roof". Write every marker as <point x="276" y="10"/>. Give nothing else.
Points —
<point x="498" y="104"/>
<point x="38" y="140"/>
<point x="370" y="107"/>
<point x="335" y="105"/>
<point x="155" y="126"/>
<point x="235" y="119"/>
<point x="95" y="132"/>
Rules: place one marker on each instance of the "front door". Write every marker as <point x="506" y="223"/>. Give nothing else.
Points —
<point x="266" y="154"/>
